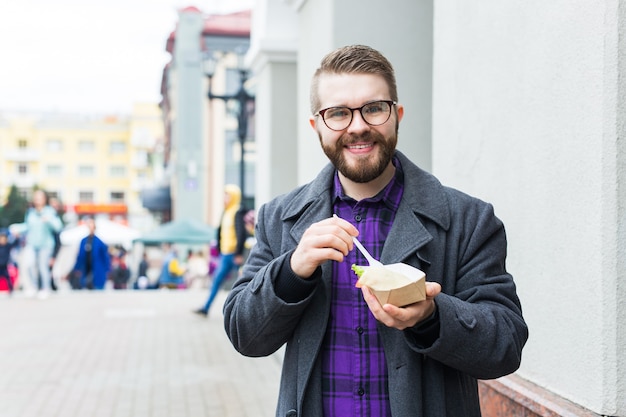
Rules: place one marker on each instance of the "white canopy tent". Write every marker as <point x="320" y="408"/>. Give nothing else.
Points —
<point x="110" y="232"/>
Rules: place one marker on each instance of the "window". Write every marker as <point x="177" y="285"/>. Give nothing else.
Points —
<point x="85" y="196"/>
<point x="86" y="145"/>
<point x="54" y="170"/>
<point x="22" y="143"/>
<point x="22" y="168"/>
<point x="117" y="146"/>
<point x="54" y="145"/>
<point x="86" y="171"/>
<point x="117" y="171"/>
<point x="117" y="197"/>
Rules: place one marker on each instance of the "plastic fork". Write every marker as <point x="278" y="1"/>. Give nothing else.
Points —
<point x="370" y="259"/>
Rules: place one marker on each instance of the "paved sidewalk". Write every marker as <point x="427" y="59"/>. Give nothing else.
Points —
<point x="126" y="354"/>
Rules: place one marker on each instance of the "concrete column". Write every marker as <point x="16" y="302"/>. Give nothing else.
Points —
<point x="273" y="59"/>
<point x="189" y="181"/>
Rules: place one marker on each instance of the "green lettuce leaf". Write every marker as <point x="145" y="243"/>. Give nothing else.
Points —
<point x="358" y="269"/>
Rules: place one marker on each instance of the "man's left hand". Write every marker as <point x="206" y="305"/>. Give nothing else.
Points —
<point x="403" y="317"/>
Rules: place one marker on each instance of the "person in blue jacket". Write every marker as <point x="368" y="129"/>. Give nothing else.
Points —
<point x="93" y="261"/>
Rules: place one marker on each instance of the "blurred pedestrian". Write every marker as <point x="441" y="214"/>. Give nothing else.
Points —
<point x="58" y="207"/>
<point x="172" y="272"/>
<point x="120" y="274"/>
<point x="92" y="262"/>
<point x="142" y="282"/>
<point x="42" y="222"/>
<point x="231" y="237"/>
<point x="5" y="258"/>
<point x="197" y="268"/>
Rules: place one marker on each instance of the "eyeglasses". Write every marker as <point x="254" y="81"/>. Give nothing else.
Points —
<point x="374" y="113"/>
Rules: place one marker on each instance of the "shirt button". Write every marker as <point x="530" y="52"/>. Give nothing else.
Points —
<point x="358" y="218"/>
<point x="361" y="392"/>
<point x="359" y="330"/>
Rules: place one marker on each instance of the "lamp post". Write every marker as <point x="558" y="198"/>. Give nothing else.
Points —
<point x="242" y="98"/>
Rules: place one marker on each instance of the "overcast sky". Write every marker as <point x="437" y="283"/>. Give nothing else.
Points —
<point x="88" y="56"/>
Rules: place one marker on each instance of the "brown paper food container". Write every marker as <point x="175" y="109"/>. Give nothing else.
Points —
<point x="407" y="294"/>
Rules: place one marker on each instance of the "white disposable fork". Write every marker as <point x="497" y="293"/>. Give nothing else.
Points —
<point x="359" y="245"/>
<point x="370" y="258"/>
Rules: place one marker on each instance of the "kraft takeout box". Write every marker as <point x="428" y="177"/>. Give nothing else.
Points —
<point x="407" y="294"/>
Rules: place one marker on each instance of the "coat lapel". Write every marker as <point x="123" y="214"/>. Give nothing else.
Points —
<point x="423" y="197"/>
<point x="405" y="238"/>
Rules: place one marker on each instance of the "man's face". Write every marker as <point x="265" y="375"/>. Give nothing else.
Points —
<point x="360" y="152"/>
<point x="91" y="226"/>
<point x="39" y="199"/>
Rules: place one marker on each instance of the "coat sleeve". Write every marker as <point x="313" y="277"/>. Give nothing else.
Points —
<point x="257" y="320"/>
<point x="481" y="328"/>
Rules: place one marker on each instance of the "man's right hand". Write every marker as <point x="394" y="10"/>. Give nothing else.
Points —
<point x="329" y="239"/>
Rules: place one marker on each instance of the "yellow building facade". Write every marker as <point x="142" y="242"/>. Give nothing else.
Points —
<point x="94" y="165"/>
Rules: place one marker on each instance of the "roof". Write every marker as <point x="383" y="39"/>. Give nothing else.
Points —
<point x="234" y="24"/>
<point x="229" y="25"/>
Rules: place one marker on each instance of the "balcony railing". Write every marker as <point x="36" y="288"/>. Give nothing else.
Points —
<point x="22" y="155"/>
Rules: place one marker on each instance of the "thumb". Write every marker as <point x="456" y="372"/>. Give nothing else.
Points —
<point x="432" y="289"/>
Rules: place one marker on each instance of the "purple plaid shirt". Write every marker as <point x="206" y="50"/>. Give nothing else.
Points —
<point x="354" y="370"/>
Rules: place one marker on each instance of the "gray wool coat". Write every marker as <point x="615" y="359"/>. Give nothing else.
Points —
<point x="456" y="239"/>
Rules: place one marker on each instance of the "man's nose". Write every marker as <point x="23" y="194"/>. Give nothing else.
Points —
<point x="357" y="123"/>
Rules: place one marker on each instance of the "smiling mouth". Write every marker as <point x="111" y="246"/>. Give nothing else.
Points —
<point x="360" y="146"/>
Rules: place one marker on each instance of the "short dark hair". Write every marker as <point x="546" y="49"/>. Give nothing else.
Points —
<point x="354" y="59"/>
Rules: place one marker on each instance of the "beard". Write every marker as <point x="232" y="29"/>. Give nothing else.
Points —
<point x="365" y="167"/>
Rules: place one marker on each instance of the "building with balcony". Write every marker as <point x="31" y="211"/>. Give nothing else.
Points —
<point x="95" y="165"/>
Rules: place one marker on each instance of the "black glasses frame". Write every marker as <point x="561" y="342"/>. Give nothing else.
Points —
<point x="391" y="103"/>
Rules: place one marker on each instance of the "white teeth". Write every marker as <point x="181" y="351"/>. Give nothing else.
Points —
<point x="359" y="146"/>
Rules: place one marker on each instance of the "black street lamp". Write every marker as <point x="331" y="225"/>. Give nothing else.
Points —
<point x="242" y="98"/>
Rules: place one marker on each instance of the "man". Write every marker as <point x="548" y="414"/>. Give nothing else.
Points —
<point x="346" y="354"/>
<point x="93" y="262"/>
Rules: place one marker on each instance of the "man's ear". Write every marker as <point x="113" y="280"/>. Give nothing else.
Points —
<point x="313" y="122"/>
<point x="400" y="110"/>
